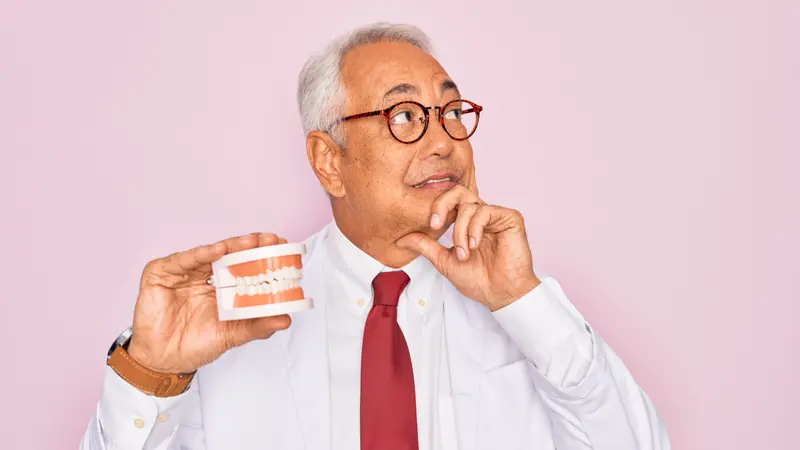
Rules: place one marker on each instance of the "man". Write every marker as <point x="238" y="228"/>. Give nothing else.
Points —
<point x="412" y="344"/>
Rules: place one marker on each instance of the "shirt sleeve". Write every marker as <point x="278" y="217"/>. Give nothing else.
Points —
<point x="592" y="398"/>
<point x="127" y="418"/>
<point x="550" y="333"/>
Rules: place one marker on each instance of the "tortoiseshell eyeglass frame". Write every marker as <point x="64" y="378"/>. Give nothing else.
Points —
<point x="426" y="109"/>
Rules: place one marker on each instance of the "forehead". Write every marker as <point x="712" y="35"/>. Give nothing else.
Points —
<point x="370" y="70"/>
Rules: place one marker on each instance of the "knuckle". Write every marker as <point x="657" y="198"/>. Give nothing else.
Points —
<point x="467" y="207"/>
<point x="153" y="265"/>
<point x="445" y="271"/>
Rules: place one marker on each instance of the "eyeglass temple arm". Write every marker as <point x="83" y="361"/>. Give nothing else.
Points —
<point x="366" y="114"/>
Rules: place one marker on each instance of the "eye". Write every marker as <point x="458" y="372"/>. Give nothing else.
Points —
<point x="453" y="114"/>
<point x="401" y="117"/>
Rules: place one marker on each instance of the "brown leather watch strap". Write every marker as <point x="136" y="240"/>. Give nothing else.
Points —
<point x="150" y="382"/>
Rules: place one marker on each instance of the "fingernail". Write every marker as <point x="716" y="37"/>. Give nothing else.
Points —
<point x="435" y="220"/>
<point x="460" y="253"/>
<point x="472" y="242"/>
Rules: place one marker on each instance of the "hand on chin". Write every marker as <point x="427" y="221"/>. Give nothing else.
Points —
<point x="490" y="261"/>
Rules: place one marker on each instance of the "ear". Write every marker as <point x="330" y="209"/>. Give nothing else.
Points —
<point x="324" y="155"/>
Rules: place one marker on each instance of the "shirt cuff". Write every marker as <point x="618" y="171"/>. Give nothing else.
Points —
<point x="539" y="321"/>
<point x="128" y="417"/>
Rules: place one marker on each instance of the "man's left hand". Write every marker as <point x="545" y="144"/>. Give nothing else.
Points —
<point x="490" y="261"/>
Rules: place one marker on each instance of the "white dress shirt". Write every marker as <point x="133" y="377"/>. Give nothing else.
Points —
<point x="300" y="389"/>
<point x="557" y="343"/>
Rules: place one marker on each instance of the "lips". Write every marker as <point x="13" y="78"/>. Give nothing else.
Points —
<point x="438" y="180"/>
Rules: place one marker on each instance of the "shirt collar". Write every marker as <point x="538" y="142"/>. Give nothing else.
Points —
<point x="359" y="269"/>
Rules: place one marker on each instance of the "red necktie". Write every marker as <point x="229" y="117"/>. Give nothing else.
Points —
<point x="388" y="403"/>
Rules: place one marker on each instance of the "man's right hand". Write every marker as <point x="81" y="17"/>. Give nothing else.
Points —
<point x="175" y="324"/>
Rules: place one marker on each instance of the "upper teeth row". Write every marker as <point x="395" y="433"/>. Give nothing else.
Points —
<point x="271" y="276"/>
<point x="432" y="181"/>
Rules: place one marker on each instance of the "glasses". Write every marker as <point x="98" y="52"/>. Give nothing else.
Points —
<point x="408" y="121"/>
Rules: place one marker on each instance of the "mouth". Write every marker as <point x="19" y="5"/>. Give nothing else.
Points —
<point x="438" y="181"/>
<point x="265" y="281"/>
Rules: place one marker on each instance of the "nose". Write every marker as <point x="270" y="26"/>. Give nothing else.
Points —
<point x="436" y="140"/>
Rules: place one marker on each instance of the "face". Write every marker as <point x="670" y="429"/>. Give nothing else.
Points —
<point x="379" y="181"/>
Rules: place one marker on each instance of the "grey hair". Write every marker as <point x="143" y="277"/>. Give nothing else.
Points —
<point x="320" y="90"/>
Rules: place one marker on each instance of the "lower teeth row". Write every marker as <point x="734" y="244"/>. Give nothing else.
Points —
<point x="267" y="288"/>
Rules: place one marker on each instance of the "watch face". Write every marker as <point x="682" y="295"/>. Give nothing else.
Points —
<point x="121" y="341"/>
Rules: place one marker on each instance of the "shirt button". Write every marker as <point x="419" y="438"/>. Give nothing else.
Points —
<point x="163" y="418"/>
<point x="360" y="302"/>
<point x="421" y="303"/>
<point x="138" y="423"/>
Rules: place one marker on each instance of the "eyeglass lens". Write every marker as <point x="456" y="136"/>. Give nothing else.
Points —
<point x="407" y="120"/>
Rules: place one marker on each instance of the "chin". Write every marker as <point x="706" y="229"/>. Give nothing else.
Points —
<point x="410" y="216"/>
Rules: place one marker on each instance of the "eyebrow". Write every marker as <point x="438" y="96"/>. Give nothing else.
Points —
<point x="403" y="88"/>
<point x="406" y="88"/>
<point x="450" y="85"/>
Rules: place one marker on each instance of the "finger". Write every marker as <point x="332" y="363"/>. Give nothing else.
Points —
<point x="259" y="328"/>
<point x="194" y="259"/>
<point x="449" y="201"/>
<point x="436" y="253"/>
<point x="263" y="327"/>
<point x="473" y="184"/>
<point x="189" y="260"/>
<point x="237" y="244"/>
<point x="265" y="239"/>
<point x="282" y="241"/>
<point x="460" y="230"/>
<point x="493" y="219"/>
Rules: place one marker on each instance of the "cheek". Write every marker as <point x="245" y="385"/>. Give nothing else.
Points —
<point x="465" y="154"/>
<point x="368" y="178"/>
<point x="387" y="167"/>
<point x="375" y="171"/>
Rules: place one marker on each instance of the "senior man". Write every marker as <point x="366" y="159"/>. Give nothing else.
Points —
<point x="412" y="343"/>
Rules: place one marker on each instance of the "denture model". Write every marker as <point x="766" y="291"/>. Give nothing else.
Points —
<point x="260" y="282"/>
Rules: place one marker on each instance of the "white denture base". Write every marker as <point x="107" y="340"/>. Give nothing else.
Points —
<point x="270" y="282"/>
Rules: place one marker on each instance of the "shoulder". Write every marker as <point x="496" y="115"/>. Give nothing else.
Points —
<point x="315" y="246"/>
<point x="314" y="242"/>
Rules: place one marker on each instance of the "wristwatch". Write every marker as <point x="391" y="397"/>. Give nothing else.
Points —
<point x="158" y="384"/>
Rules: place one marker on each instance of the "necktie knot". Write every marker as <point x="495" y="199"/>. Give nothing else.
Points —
<point x="388" y="286"/>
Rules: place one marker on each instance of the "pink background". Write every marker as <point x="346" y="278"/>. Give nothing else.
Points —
<point x="652" y="148"/>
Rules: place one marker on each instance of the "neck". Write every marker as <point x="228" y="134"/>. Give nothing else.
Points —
<point x="377" y="240"/>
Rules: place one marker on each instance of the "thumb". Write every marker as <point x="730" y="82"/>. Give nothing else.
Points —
<point x="426" y="246"/>
<point x="259" y="328"/>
